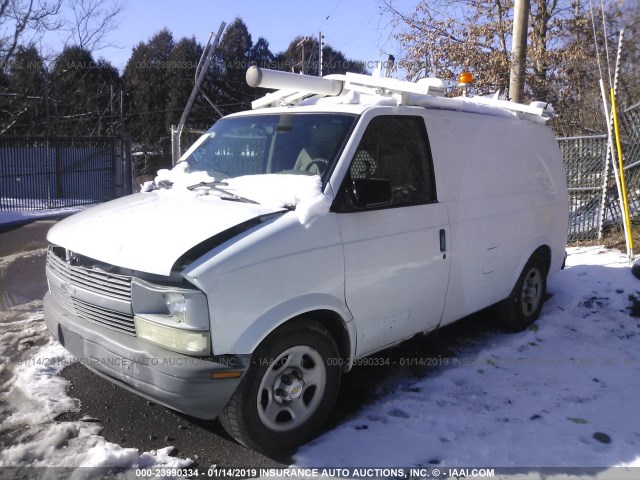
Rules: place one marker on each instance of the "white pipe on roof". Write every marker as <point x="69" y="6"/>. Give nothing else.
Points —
<point x="265" y="78"/>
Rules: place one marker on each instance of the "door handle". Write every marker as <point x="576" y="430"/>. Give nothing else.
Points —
<point x="443" y="240"/>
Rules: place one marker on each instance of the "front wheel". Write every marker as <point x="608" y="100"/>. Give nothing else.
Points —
<point x="288" y="391"/>
<point x="524" y="305"/>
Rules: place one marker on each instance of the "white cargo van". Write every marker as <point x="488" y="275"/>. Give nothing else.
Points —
<point x="340" y="216"/>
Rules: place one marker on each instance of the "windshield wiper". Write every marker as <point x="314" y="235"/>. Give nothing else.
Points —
<point x="159" y="186"/>
<point x="165" y="184"/>
<point x="207" y="184"/>
<point x="226" y="194"/>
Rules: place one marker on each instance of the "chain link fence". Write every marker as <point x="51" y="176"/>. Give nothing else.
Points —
<point x="630" y="135"/>
<point x="594" y="207"/>
<point x="181" y="143"/>
<point x="584" y="162"/>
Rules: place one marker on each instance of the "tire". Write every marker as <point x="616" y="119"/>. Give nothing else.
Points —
<point x="523" y="306"/>
<point x="287" y="392"/>
<point x="635" y="269"/>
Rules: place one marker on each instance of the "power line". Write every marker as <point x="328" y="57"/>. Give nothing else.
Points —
<point x="330" y="13"/>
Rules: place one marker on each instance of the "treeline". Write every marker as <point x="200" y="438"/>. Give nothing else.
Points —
<point x="79" y="95"/>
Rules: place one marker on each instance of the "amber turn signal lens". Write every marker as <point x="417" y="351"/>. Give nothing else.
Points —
<point x="223" y="375"/>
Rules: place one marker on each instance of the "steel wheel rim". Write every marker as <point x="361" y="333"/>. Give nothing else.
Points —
<point x="291" y="388"/>
<point x="531" y="294"/>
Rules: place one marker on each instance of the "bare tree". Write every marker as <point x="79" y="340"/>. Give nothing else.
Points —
<point x="23" y="22"/>
<point x="444" y="37"/>
<point x="91" y="21"/>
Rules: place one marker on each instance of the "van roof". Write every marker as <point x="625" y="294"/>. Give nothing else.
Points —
<point x="353" y="109"/>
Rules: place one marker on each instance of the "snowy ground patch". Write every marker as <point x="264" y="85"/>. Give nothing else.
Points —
<point x="26" y="216"/>
<point x="33" y="394"/>
<point x="33" y="397"/>
<point x="562" y="394"/>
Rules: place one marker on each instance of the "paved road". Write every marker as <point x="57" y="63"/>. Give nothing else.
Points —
<point x="22" y="280"/>
<point x="132" y="421"/>
<point x="24" y="238"/>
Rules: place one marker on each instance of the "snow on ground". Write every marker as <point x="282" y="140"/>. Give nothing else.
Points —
<point x="563" y="393"/>
<point x="33" y="394"/>
<point x="26" y="216"/>
<point x="38" y="394"/>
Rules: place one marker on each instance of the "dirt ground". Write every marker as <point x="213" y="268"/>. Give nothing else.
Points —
<point x="615" y="238"/>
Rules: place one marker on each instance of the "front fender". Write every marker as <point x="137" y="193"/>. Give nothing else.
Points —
<point x="257" y="331"/>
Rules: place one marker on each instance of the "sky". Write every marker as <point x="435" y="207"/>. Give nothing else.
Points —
<point x="357" y="28"/>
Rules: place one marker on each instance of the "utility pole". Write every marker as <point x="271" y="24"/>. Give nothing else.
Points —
<point x="176" y="150"/>
<point x="47" y="128"/>
<point x="518" y="49"/>
<point x="320" y="45"/>
<point x="112" y="130"/>
<point x="301" y="44"/>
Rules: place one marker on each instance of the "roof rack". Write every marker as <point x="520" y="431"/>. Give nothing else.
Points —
<point x="297" y="89"/>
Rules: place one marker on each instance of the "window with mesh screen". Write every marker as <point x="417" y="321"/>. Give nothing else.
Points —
<point x="397" y="149"/>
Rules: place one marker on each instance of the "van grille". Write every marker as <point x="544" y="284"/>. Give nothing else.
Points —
<point x="105" y="317"/>
<point x="98" y="281"/>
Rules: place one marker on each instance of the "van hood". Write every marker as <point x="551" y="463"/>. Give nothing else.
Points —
<point x="150" y="231"/>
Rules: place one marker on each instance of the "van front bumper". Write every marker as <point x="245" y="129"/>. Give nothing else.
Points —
<point x="171" y="379"/>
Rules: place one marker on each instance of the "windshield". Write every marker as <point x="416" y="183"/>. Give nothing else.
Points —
<point x="301" y="143"/>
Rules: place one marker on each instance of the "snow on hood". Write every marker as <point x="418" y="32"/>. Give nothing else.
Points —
<point x="302" y="192"/>
<point x="178" y="177"/>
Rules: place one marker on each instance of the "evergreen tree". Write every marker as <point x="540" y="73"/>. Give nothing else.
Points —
<point x="302" y="56"/>
<point x="235" y="53"/>
<point x="260" y="54"/>
<point x="146" y="86"/>
<point x="23" y="109"/>
<point x="80" y="93"/>
<point x="180" y="81"/>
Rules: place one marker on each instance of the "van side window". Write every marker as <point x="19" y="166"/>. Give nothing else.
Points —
<point x="395" y="148"/>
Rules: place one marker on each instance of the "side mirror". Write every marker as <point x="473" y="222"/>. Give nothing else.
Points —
<point x="371" y="192"/>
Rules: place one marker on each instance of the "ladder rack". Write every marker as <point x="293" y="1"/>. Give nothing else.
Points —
<point x="296" y="89"/>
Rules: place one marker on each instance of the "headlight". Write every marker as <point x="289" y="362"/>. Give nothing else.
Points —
<point x="171" y="317"/>
<point x="182" y="341"/>
<point x="176" y="305"/>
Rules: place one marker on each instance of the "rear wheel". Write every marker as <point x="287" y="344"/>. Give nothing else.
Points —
<point x="523" y="306"/>
<point x="288" y="391"/>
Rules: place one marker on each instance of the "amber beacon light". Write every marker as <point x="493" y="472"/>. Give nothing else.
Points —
<point x="465" y="79"/>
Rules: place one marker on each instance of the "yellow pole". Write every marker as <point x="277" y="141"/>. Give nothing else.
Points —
<point x="623" y="184"/>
